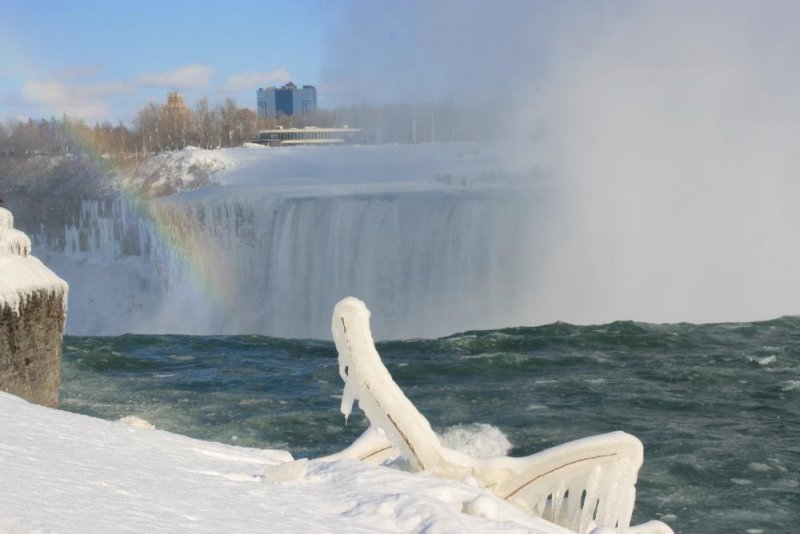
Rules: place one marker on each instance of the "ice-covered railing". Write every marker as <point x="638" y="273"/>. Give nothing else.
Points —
<point x="20" y="273"/>
<point x="587" y="485"/>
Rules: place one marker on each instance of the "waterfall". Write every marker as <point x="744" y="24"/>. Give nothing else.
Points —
<point x="271" y="261"/>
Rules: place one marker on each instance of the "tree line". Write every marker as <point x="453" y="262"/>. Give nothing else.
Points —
<point x="157" y="128"/>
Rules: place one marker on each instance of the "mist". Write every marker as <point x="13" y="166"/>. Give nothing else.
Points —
<point x="668" y="131"/>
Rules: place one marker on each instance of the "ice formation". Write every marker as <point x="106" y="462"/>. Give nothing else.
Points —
<point x="20" y="273"/>
<point x="12" y="241"/>
<point x="587" y="485"/>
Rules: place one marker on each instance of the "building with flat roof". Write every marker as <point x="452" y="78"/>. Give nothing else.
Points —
<point x="310" y="135"/>
<point x="288" y="100"/>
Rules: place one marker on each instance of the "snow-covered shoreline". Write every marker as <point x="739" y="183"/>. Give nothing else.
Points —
<point x="69" y="473"/>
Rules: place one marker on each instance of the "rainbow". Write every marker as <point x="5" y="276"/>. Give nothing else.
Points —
<point x="211" y="278"/>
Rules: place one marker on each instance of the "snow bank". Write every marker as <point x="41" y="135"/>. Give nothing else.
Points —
<point x="166" y="173"/>
<point x="70" y="473"/>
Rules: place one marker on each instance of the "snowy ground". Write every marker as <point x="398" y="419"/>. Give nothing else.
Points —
<point x="67" y="473"/>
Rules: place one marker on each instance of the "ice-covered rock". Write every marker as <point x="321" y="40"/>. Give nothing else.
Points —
<point x="33" y="304"/>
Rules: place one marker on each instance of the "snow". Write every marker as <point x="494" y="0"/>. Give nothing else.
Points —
<point x="69" y="473"/>
<point x="180" y="170"/>
<point x="20" y="273"/>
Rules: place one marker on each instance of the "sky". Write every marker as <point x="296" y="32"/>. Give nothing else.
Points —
<point x="104" y="61"/>
<point x="101" y="60"/>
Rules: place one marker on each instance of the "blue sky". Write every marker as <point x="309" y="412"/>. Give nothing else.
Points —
<point x="103" y="60"/>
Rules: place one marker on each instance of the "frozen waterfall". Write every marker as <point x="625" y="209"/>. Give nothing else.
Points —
<point x="273" y="261"/>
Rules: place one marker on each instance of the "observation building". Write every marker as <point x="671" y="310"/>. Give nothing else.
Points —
<point x="310" y="135"/>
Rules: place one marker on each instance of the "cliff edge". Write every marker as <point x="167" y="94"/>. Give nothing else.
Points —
<point x="33" y="304"/>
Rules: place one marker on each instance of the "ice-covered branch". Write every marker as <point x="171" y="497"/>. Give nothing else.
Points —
<point x="369" y="382"/>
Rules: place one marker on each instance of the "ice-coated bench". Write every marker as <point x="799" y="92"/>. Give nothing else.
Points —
<point x="586" y="486"/>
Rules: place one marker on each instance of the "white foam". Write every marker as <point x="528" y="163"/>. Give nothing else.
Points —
<point x="791" y="385"/>
<point x="763" y="361"/>
<point x="536" y="407"/>
<point x="478" y="440"/>
<point x="136" y="422"/>
<point x="757" y="466"/>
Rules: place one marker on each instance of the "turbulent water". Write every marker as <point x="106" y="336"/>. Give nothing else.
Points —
<point x="716" y="406"/>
